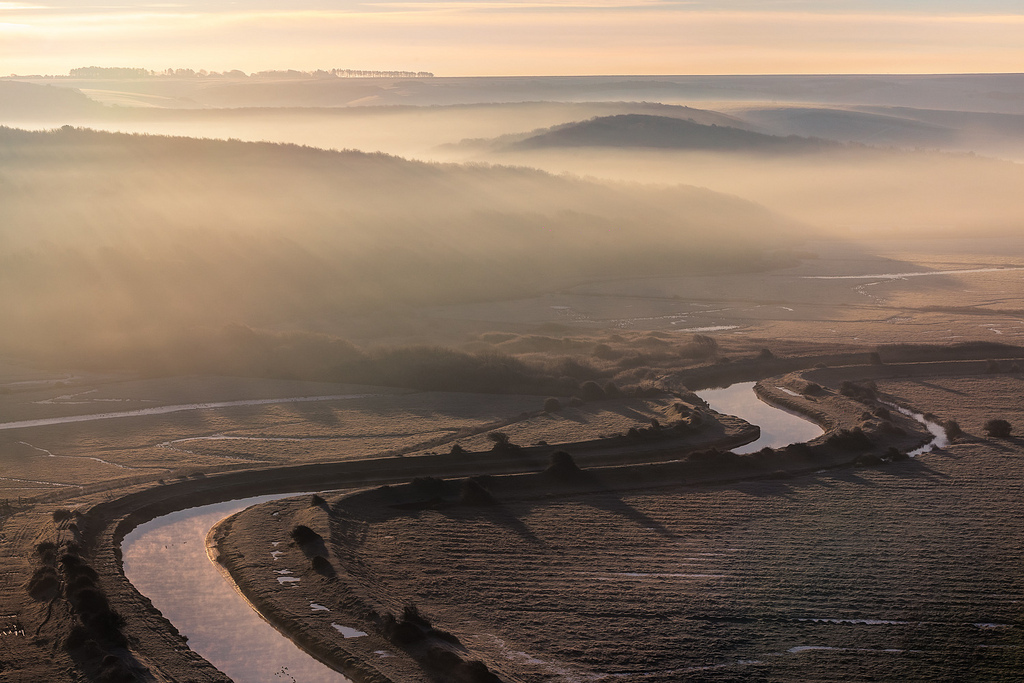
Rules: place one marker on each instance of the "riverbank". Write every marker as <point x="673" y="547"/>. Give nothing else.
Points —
<point x="102" y="517"/>
<point x="350" y="529"/>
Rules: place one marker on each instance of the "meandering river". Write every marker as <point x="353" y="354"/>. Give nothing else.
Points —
<point x="778" y="427"/>
<point x="166" y="560"/>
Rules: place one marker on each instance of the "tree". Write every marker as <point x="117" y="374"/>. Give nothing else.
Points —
<point x="999" y="429"/>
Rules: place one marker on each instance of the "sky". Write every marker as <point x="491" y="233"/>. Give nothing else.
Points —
<point x="522" y="37"/>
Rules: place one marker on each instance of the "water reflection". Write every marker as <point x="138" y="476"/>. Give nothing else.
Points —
<point x="778" y="427"/>
<point x="166" y="560"/>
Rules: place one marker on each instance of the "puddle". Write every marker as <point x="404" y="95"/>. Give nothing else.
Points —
<point x="318" y="608"/>
<point x="290" y="580"/>
<point x="347" y="631"/>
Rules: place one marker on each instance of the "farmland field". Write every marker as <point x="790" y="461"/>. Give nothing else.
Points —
<point x="908" y="571"/>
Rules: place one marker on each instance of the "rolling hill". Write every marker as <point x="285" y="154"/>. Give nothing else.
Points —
<point x="661" y="132"/>
<point x="110" y="239"/>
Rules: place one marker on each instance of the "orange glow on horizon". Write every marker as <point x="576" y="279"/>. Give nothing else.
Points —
<point x="474" y="39"/>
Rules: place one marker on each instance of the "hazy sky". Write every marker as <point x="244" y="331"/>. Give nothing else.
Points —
<point x="498" y="37"/>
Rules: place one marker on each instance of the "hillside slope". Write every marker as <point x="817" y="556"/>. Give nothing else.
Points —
<point x="106" y="238"/>
<point x="662" y="132"/>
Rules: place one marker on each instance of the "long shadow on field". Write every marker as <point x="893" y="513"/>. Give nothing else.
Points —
<point x="579" y="419"/>
<point x="498" y="515"/>
<point x="609" y="502"/>
<point x="626" y="411"/>
<point x="1007" y="445"/>
<point x="893" y="473"/>
<point x="932" y="385"/>
<point x="602" y="497"/>
<point x="318" y="414"/>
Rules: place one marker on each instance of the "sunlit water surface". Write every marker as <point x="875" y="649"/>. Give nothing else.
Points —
<point x="778" y="427"/>
<point x="166" y="560"/>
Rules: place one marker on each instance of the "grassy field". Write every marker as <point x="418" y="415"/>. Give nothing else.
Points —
<point x="910" y="571"/>
<point x="373" y="421"/>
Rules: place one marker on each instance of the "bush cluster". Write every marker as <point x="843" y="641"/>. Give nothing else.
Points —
<point x="998" y="428"/>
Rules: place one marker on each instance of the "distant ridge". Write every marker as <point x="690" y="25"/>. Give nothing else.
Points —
<point x="662" y="132"/>
<point x="43" y="102"/>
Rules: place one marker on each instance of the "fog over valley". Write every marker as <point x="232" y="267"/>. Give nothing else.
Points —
<point x="382" y="376"/>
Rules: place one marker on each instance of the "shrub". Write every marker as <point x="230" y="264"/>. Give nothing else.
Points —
<point x="61" y="515"/>
<point x="46" y="547"/>
<point x="302" y="535"/>
<point x="442" y="659"/>
<point x="953" y="430"/>
<point x="813" y="389"/>
<point x="700" y="346"/>
<point x="552" y="405"/>
<point x="473" y="493"/>
<point x="800" y="450"/>
<point x="765" y="354"/>
<point x="316" y="501"/>
<point x="457" y="450"/>
<point x="502" y="444"/>
<point x="562" y="466"/>
<point x="857" y="392"/>
<point x="611" y="390"/>
<point x="43" y="584"/>
<point x="592" y="391"/>
<point x="477" y="672"/>
<point x="889" y="428"/>
<point x="874" y="358"/>
<point x="321" y="565"/>
<point x="605" y="352"/>
<point x="850" y="440"/>
<point x="411" y="614"/>
<point x="895" y="455"/>
<point x="428" y="487"/>
<point x="997" y="428"/>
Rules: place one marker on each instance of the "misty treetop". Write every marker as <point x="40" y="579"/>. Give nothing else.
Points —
<point x="107" y="237"/>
